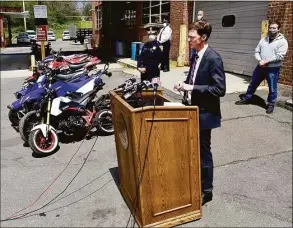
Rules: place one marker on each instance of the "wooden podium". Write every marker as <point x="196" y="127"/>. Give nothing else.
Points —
<point x="169" y="190"/>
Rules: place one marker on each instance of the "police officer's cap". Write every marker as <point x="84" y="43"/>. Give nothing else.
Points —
<point x="152" y="30"/>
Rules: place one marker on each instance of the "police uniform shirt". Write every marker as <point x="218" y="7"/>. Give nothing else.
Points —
<point x="165" y="34"/>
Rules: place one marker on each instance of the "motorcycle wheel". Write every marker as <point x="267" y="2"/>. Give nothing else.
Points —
<point x="12" y="115"/>
<point x="104" y="121"/>
<point x="26" y="124"/>
<point x="38" y="142"/>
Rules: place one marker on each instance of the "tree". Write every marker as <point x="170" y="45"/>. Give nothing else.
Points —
<point x="86" y="9"/>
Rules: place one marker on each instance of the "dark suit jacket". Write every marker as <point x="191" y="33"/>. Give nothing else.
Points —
<point x="209" y="86"/>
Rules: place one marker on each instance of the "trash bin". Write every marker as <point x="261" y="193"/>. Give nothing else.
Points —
<point x="135" y="50"/>
<point x="119" y="48"/>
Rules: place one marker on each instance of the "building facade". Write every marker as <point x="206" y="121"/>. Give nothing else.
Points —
<point x="236" y="27"/>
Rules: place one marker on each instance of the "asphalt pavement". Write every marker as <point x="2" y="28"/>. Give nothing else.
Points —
<point x="252" y="181"/>
<point x="66" y="45"/>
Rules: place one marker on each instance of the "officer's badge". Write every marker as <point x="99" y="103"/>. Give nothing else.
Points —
<point x="154" y="47"/>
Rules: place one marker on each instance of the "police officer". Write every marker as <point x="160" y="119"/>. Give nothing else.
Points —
<point x="164" y="38"/>
<point x="150" y="58"/>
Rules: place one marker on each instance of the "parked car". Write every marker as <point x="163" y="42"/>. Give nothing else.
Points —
<point x="23" y="38"/>
<point x="66" y="35"/>
<point x="51" y="36"/>
<point x="32" y="34"/>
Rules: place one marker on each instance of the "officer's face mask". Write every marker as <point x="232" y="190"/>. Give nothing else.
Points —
<point x="152" y="37"/>
<point x="164" y="24"/>
<point x="199" y="17"/>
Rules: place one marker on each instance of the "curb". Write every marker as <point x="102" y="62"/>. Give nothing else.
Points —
<point x="126" y="64"/>
<point x="286" y="104"/>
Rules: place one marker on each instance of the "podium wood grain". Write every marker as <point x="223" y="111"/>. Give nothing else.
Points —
<point x="170" y="190"/>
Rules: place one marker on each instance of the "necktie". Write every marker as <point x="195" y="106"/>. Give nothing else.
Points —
<point x="190" y="81"/>
<point x="161" y="33"/>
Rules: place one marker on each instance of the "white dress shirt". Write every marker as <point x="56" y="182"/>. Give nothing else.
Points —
<point x="200" y="55"/>
<point x="166" y="34"/>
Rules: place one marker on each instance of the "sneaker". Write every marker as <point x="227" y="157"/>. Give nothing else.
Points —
<point x="270" y="109"/>
<point x="242" y="102"/>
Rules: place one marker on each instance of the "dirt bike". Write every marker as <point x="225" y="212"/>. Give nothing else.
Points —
<point x="77" y="114"/>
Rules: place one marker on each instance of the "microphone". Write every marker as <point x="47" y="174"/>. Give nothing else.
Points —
<point x="127" y="83"/>
<point x="146" y="84"/>
<point x="156" y="82"/>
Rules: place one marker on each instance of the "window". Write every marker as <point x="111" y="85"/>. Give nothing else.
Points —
<point x="155" y="11"/>
<point x="129" y="17"/>
<point x="228" y="21"/>
<point x="99" y="17"/>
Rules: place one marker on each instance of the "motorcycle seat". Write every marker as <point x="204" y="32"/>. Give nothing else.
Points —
<point x="70" y="76"/>
<point x="77" y="66"/>
<point x="83" y="97"/>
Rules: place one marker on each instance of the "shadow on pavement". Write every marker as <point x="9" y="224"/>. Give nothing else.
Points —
<point x="256" y="100"/>
<point x="14" y="61"/>
<point x="115" y="174"/>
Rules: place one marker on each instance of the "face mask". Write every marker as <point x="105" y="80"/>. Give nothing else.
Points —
<point x="152" y="37"/>
<point x="164" y="24"/>
<point x="199" y="17"/>
<point x="273" y="33"/>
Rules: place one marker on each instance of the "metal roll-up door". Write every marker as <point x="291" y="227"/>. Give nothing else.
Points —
<point x="235" y="43"/>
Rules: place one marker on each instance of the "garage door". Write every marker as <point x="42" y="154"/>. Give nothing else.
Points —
<point x="235" y="42"/>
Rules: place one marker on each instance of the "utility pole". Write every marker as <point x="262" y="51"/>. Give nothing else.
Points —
<point x="24" y="19"/>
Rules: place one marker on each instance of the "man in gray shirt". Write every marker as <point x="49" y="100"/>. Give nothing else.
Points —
<point x="269" y="53"/>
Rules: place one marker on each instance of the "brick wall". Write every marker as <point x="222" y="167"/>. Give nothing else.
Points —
<point x="176" y="19"/>
<point x="180" y="13"/>
<point x="282" y="11"/>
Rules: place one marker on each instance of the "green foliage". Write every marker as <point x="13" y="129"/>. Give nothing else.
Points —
<point x="86" y="10"/>
<point x="60" y="15"/>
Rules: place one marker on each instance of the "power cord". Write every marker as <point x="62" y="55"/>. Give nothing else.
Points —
<point x="52" y="181"/>
<point x="142" y="170"/>
<point x="24" y="214"/>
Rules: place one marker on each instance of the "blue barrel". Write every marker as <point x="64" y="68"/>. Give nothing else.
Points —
<point x="133" y="51"/>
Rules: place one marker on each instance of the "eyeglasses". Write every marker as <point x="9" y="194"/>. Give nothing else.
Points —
<point x="191" y="37"/>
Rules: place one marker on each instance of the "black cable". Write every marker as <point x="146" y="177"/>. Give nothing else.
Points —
<point x="24" y="214"/>
<point x="143" y="167"/>
<point x="54" y="209"/>
<point x="56" y="177"/>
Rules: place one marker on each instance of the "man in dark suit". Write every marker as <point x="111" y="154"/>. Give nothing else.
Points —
<point x="207" y="83"/>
